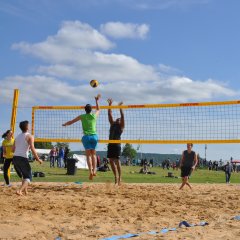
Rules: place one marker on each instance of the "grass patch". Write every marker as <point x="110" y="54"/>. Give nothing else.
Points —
<point x="129" y="175"/>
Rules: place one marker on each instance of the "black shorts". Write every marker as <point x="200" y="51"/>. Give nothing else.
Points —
<point x="186" y="171"/>
<point x="22" y="167"/>
<point x="114" y="150"/>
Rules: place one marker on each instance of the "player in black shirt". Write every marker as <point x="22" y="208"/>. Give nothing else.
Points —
<point x="188" y="164"/>
<point x="114" y="149"/>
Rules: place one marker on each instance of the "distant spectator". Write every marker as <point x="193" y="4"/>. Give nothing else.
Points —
<point x="234" y="167"/>
<point x="66" y="152"/>
<point x="98" y="161"/>
<point x="177" y="164"/>
<point x="168" y="163"/>
<point x="53" y="155"/>
<point x="57" y="153"/>
<point x="228" y="171"/>
<point x="216" y="165"/>
<point x="210" y="165"/>
<point x="220" y="163"/>
<point x="60" y="157"/>
<point x="163" y="164"/>
<point x="204" y="162"/>
<point x="151" y="162"/>
<point x="174" y="166"/>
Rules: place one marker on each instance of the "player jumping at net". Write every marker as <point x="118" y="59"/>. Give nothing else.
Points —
<point x="23" y="142"/>
<point x="114" y="149"/>
<point x="90" y="138"/>
<point x="188" y="164"/>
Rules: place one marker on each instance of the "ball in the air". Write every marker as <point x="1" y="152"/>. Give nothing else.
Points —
<point x="94" y="83"/>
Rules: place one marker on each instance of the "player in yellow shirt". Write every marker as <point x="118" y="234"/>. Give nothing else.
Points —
<point x="7" y="145"/>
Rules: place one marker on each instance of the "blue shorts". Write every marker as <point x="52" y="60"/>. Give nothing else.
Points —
<point x="90" y="142"/>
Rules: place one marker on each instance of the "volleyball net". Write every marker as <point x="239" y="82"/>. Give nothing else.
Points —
<point x="205" y="122"/>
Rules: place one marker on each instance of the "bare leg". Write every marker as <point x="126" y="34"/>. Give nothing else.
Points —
<point x="89" y="162"/>
<point x="23" y="188"/>
<point x="119" y="171"/>
<point x="187" y="183"/>
<point x="113" y="166"/>
<point x="184" y="180"/>
<point x="94" y="162"/>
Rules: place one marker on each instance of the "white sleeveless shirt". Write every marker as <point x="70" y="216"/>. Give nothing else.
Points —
<point x="21" y="145"/>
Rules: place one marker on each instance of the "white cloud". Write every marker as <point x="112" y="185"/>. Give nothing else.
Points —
<point x="125" y="30"/>
<point x="105" y="67"/>
<point x="169" y="70"/>
<point x="38" y="89"/>
<point x="41" y="90"/>
<point x="72" y="36"/>
<point x="71" y="54"/>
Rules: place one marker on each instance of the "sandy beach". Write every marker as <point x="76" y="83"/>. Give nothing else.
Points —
<point x="96" y="211"/>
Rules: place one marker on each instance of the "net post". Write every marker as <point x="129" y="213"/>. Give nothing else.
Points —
<point x="33" y="119"/>
<point x="14" y="110"/>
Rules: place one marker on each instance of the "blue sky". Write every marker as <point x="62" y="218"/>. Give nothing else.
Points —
<point x="50" y="51"/>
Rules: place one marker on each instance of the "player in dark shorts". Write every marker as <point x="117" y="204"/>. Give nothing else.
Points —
<point x="23" y="142"/>
<point x="188" y="164"/>
<point x="114" y="149"/>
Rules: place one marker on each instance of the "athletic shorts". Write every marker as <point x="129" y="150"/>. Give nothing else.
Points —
<point x="186" y="171"/>
<point x="114" y="150"/>
<point x="22" y="167"/>
<point x="90" y="142"/>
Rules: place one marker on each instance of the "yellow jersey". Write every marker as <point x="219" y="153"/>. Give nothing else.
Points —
<point x="8" y="145"/>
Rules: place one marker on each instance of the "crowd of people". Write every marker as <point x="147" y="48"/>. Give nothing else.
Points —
<point x="58" y="157"/>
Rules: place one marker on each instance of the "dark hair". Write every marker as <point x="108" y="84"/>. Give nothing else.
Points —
<point x="6" y="133"/>
<point x="88" y="108"/>
<point x="23" y="125"/>
<point x="190" y="144"/>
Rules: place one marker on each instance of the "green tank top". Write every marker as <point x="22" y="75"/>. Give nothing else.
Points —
<point x="89" y="122"/>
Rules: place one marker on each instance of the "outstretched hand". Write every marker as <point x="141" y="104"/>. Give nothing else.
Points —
<point x="98" y="97"/>
<point x="110" y="101"/>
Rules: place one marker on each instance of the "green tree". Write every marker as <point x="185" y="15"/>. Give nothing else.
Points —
<point x="43" y="145"/>
<point x="129" y="152"/>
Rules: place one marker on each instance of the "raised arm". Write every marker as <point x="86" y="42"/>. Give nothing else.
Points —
<point x="122" y="116"/>
<point x="78" y="118"/>
<point x="110" y="117"/>
<point x="97" y="104"/>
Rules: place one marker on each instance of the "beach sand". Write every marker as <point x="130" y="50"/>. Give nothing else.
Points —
<point x="95" y="211"/>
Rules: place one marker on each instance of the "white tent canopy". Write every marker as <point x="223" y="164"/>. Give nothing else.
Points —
<point x="43" y="151"/>
<point x="81" y="161"/>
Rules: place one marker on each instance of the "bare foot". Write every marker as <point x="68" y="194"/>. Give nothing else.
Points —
<point x="94" y="174"/>
<point x="116" y="181"/>
<point x="19" y="193"/>
<point x="26" y="192"/>
<point x="91" y="176"/>
<point x="119" y="181"/>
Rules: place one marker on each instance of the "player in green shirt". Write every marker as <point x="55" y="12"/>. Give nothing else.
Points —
<point x="90" y="138"/>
